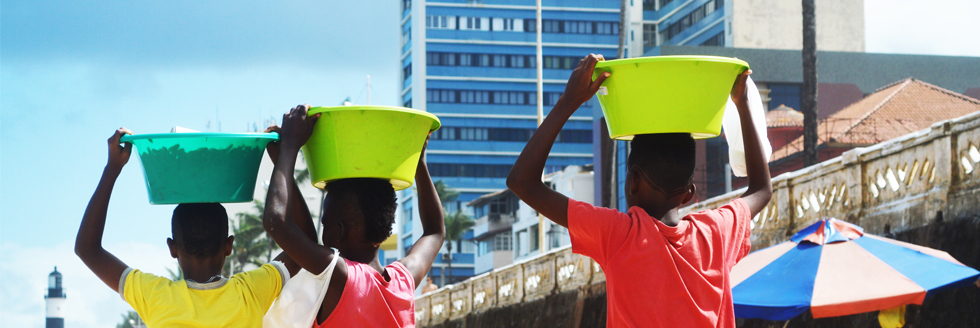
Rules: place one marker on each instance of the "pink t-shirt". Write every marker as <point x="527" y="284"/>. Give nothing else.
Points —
<point x="370" y="301"/>
<point x="662" y="276"/>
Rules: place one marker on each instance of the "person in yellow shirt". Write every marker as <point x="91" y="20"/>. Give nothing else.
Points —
<point x="200" y="243"/>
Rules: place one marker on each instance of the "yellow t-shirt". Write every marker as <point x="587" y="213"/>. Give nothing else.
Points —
<point x="237" y="302"/>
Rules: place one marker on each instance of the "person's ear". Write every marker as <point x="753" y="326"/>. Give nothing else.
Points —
<point x="229" y="245"/>
<point x="692" y="191"/>
<point x="634" y="180"/>
<point x="341" y="231"/>
<point x="172" y="245"/>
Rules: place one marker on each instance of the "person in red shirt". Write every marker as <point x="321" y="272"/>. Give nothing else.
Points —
<point x="663" y="269"/>
<point x="358" y="214"/>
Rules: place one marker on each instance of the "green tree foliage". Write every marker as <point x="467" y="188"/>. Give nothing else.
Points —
<point x="176" y="276"/>
<point x="131" y="320"/>
<point x="445" y="193"/>
<point x="252" y="245"/>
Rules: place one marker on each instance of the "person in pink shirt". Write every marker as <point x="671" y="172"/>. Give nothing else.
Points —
<point x="358" y="216"/>
<point x="663" y="269"/>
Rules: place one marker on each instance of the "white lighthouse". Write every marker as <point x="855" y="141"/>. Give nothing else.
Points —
<point x="55" y="317"/>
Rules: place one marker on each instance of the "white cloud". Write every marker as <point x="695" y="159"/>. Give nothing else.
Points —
<point x="89" y="303"/>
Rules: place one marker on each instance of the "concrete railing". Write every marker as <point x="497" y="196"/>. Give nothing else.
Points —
<point x="897" y="185"/>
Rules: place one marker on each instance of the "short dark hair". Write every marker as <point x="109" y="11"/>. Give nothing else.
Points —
<point x="200" y="229"/>
<point x="666" y="158"/>
<point x="373" y="198"/>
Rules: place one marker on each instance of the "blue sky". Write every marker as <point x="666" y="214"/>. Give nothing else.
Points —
<point x="74" y="71"/>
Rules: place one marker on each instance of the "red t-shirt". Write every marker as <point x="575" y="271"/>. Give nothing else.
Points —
<point x="371" y="301"/>
<point x="662" y="276"/>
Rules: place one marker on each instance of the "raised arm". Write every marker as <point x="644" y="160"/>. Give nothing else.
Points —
<point x="525" y="177"/>
<point x="419" y="259"/>
<point x="296" y="210"/>
<point x="88" y="242"/>
<point x="759" y="190"/>
<point x="297" y="244"/>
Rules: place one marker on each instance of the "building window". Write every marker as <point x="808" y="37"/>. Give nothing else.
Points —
<point x="504" y="205"/>
<point x="469" y="170"/>
<point x="572" y="26"/>
<point x="649" y="35"/>
<point x="556" y="234"/>
<point x="688" y="20"/>
<point x="507" y="134"/>
<point x="500" y="60"/>
<point x="649" y="4"/>
<point x="551" y="98"/>
<point x="521" y="238"/>
<point x="718" y="40"/>
<point x="473" y="23"/>
<point x="440" y="22"/>
<point x="534" y="238"/>
<point x="407" y="217"/>
<point x="502" y="241"/>
<point x="407" y="71"/>
<point x="507" y="24"/>
<point x="407" y="104"/>
<point x="664" y="3"/>
<point x="468" y="247"/>
<point x="498" y="242"/>
<point x="493" y="97"/>
<point x="575" y="136"/>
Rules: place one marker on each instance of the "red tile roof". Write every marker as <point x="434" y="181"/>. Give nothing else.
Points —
<point x="784" y="117"/>
<point x="903" y="107"/>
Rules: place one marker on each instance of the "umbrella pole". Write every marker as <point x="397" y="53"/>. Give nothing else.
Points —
<point x="786" y="324"/>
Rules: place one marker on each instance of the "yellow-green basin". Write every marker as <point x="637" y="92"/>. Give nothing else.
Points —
<point x="367" y="142"/>
<point x="667" y="94"/>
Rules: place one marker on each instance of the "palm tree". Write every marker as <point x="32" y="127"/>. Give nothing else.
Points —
<point x="131" y="320"/>
<point x="445" y="193"/>
<point x="176" y="276"/>
<point x="456" y="225"/>
<point x="251" y="241"/>
<point x="303" y="176"/>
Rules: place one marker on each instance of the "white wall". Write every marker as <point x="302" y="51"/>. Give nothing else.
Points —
<point x="778" y="24"/>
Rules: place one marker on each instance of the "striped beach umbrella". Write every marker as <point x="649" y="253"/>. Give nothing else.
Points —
<point x="833" y="269"/>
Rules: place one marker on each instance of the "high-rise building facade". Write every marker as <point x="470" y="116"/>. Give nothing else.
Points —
<point x="473" y="64"/>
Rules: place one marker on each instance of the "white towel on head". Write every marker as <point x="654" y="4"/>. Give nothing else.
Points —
<point x="733" y="129"/>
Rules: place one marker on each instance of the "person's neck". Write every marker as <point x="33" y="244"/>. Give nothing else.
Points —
<point x="670" y="216"/>
<point x="366" y="256"/>
<point x="201" y="270"/>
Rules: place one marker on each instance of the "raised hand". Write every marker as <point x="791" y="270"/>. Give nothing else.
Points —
<point x="739" y="93"/>
<point x="273" y="147"/>
<point x="580" y="87"/>
<point x="119" y="154"/>
<point x="297" y="126"/>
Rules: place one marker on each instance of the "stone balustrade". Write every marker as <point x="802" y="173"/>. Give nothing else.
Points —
<point x="927" y="176"/>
